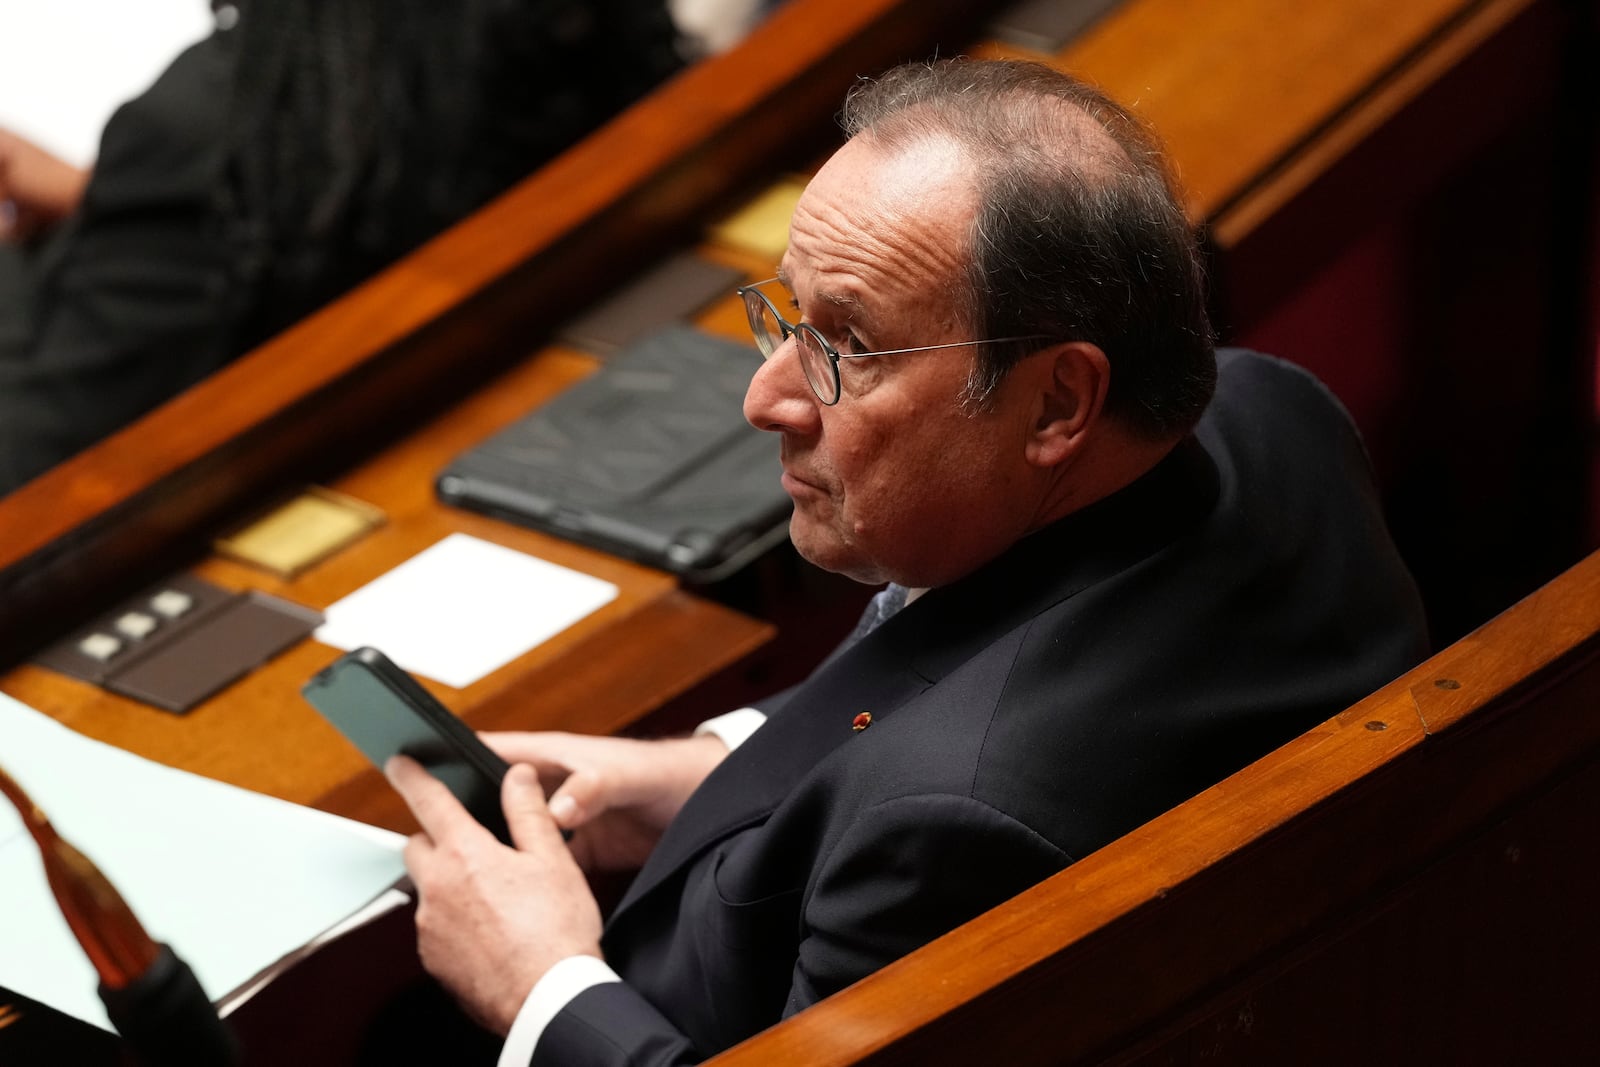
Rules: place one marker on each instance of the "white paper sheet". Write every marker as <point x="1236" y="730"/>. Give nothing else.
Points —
<point x="462" y="608"/>
<point x="232" y="880"/>
<point x="66" y="65"/>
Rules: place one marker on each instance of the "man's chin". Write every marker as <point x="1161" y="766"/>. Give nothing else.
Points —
<point x="817" y="545"/>
<point x="822" y="548"/>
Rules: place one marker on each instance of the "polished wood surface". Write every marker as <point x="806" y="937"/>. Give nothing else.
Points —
<point x="603" y="674"/>
<point x="1463" y="84"/>
<point x="1235" y="89"/>
<point x="1378" y="849"/>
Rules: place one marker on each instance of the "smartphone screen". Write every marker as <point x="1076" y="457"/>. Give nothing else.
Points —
<point x="384" y="711"/>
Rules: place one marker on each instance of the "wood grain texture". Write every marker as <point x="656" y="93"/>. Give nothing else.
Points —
<point x="1475" y="45"/>
<point x="1233" y="88"/>
<point x="1495" y="67"/>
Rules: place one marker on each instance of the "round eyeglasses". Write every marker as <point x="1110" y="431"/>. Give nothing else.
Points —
<point x="818" y="358"/>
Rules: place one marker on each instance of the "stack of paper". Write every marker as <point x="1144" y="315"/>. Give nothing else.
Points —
<point x="236" y="882"/>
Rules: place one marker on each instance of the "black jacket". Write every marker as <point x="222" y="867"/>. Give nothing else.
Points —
<point x="1101" y="671"/>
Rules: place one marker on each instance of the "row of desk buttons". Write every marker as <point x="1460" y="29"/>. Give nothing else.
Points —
<point x="136" y="625"/>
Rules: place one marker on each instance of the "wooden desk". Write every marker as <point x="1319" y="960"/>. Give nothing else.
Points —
<point x="650" y="645"/>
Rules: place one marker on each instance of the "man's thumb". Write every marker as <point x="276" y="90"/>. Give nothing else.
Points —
<point x="576" y="802"/>
<point x="522" y="799"/>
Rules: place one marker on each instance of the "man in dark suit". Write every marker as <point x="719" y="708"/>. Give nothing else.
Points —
<point x="989" y="363"/>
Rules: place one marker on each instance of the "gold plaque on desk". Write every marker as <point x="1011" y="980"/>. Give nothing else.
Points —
<point x="301" y="532"/>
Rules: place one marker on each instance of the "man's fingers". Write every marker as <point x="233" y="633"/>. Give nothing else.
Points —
<point x="580" y="798"/>
<point x="526" y="814"/>
<point x="436" y="809"/>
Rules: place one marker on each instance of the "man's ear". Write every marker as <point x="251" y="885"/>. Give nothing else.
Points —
<point x="1072" y="383"/>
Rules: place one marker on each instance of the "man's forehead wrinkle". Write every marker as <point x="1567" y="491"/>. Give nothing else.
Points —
<point x="899" y="224"/>
<point x="847" y="251"/>
<point x="877" y="242"/>
<point x="893" y="257"/>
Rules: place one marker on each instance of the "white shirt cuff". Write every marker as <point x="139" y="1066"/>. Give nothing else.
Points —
<point x="735" y="727"/>
<point x="560" y="985"/>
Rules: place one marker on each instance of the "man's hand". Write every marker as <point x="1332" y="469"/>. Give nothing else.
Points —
<point x="615" y="794"/>
<point x="492" y="920"/>
<point x="37" y="190"/>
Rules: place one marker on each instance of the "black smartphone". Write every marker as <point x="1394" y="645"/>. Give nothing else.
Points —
<point x="383" y="711"/>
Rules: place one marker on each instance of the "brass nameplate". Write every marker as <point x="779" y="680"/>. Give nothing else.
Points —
<point x="302" y="532"/>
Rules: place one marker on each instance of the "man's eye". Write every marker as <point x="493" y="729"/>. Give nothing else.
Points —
<point x="850" y="343"/>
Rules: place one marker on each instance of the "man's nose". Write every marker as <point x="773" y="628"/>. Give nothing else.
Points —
<point x="779" y="397"/>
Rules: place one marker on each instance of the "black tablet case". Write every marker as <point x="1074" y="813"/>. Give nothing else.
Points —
<point x="649" y="458"/>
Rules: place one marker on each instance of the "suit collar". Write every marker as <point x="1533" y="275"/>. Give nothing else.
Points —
<point x="948" y="626"/>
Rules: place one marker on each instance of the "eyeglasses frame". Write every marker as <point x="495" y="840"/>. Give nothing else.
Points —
<point x="789" y="329"/>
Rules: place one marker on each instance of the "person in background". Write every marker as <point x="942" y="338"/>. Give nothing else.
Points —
<point x="302" y="146"/>
<point x="1117" y="566"/>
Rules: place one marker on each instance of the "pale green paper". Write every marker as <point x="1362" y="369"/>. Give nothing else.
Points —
<point x="232" y="880"/>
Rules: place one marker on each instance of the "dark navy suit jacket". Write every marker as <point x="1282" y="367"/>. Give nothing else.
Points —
<point x="1101" y="671"/>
